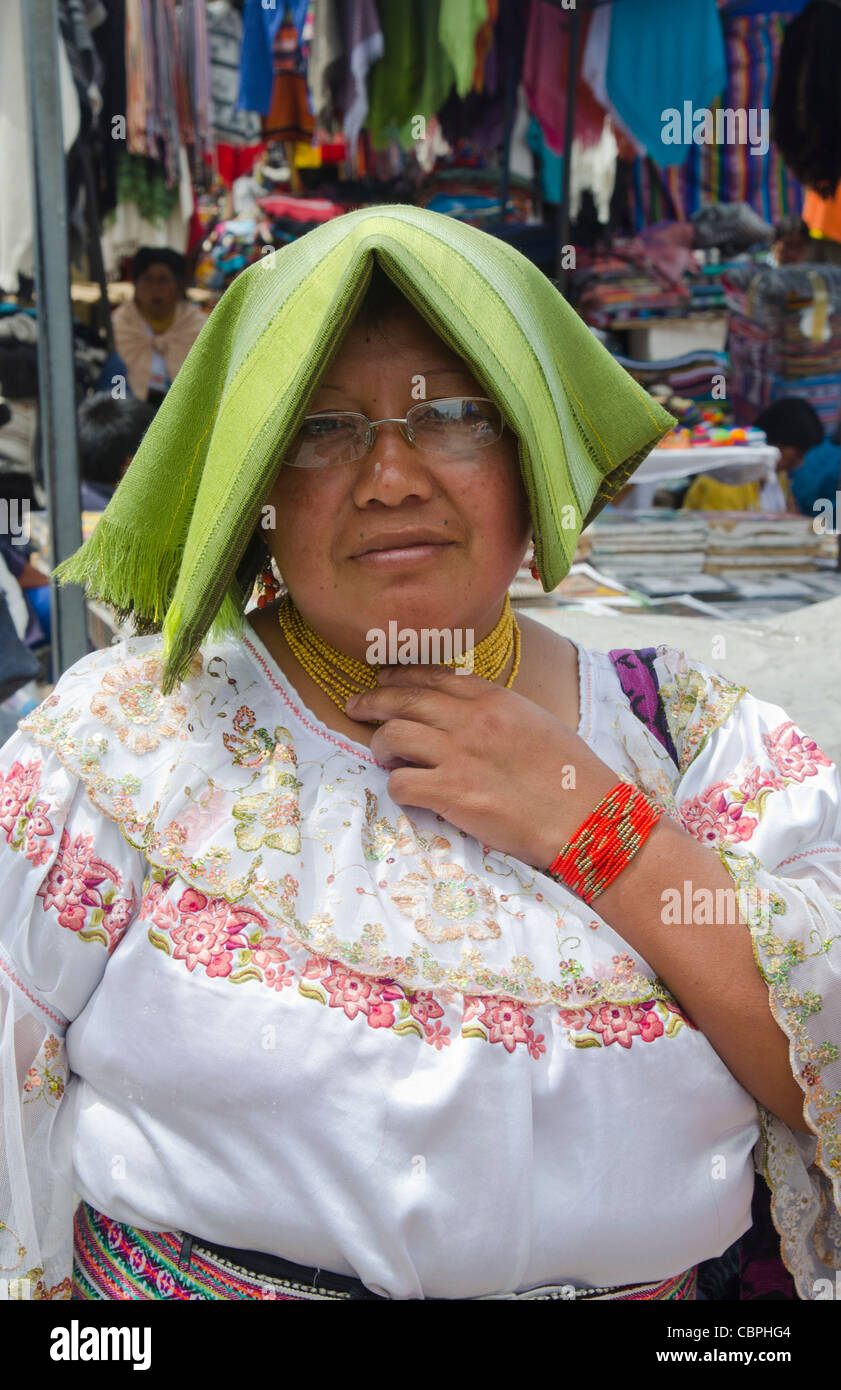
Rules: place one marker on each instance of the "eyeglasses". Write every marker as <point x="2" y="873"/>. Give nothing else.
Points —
<point x="455" y="427"/>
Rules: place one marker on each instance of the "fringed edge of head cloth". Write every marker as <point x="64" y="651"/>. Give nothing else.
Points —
<point x="172" y="547"/>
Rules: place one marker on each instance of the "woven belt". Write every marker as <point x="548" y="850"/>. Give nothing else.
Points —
<point x="319" y="1281"/>
<point x="271" y="1266"/>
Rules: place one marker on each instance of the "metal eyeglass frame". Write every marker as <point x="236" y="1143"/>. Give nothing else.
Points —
<point x="373" y="426"/>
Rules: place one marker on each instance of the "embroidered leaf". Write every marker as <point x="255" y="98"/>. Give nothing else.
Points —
<point x="97" y="917"/>
<point x="160" y="940"/>
<point x="95" y="934"/>
<point x="674" y="1025"/>
<point x="586" y="1042"/>
<point x="409" y="1025"/>
<point x="311" y="992"/>
<point x="474" y="1033"/>
<point x="249" y="972"/>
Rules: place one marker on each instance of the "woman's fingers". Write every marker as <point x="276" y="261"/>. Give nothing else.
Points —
<point x="421" y="745"/>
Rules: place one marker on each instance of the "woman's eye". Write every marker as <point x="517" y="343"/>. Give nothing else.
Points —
<point x="321" y="427"/>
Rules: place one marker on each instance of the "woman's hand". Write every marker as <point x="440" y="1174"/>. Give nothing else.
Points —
<point x="489" y="761"/>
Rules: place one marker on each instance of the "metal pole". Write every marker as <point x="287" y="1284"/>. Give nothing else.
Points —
<point x="562" y="271"/>
<point x="56" y="377"/>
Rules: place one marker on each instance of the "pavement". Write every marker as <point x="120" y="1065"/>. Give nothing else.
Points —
<point x="793" y="660"/>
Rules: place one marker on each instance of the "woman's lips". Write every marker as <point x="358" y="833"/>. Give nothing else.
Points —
<point x="397" y="556"/>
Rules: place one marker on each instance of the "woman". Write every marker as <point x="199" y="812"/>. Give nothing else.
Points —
<point x="155" y="331"/>
<point x="335" y="1029"/>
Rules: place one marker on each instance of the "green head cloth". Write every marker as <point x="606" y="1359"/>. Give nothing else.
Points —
<point x="170" y="544"/>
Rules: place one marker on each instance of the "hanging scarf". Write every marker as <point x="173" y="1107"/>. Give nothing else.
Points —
<point x="169" y="545"/>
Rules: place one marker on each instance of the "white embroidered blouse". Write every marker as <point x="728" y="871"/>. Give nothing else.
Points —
<point x="245" y="995"/>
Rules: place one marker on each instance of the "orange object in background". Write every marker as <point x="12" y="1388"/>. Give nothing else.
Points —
<point x="823" y="214"/>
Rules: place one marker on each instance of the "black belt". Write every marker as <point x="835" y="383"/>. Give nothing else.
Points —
<point x="257" y="1262"/>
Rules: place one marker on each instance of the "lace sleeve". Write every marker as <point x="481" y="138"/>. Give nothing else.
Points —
<point x="69" y="884"/>
<point x="763" y="794"/>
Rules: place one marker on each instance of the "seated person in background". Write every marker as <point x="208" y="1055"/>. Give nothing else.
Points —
<point x="819" y="476"/>
<point x="154" y="332"/>
<point x="790" y="425"/>
<point x="110" y="432"/>
<point x="792" y="243"/>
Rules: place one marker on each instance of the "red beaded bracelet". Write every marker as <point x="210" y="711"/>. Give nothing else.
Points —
<point x="605" y="842"/>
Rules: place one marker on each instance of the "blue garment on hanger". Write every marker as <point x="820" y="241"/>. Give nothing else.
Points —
<point x="551" y="164"/>
<point x="259" y="30"/>
<point x="660" y="57"/>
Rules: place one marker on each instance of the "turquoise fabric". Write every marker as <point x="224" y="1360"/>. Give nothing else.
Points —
<point x="661" y="55"/>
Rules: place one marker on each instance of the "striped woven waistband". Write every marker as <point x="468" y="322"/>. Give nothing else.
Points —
<point x="113" y="1261"/>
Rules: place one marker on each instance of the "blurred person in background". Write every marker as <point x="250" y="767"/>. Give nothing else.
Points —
<point x="155" y="331"/>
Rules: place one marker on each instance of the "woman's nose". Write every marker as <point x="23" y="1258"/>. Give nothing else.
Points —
<point x="392" y="471"/>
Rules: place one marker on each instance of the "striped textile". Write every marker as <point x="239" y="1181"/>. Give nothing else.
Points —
<point x="116" y="1262"/>
<point x="725" y="173"/>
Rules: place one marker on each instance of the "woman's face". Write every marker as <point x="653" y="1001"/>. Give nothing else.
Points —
<point x="401" y="535"/>
<point x="156" y="292"/>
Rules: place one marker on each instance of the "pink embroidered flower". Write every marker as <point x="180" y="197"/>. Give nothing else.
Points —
<point x="192" y="901"/>
<point x="535" y="1044"/>
<point x="757" y="780"/>
<point x="269" y="953"/>
<point x="72" y="884"/>
<point x="316" y="968"/>
<point x="199" y="943"/>
<point x="473" y="1006"/>
<point x="793" y="753"/>
<point x="38" y="827"/>
<point x="19" y="784"/>
<point x="349" y="992"/>
<point x="424" y="1007"/>
<point x="650" y="1023"/>
<point x="117" y="917"/>
<point x="574" y="1019"/>
<point x="380" y="1013"/>
<point x="278" y="977"/>
<point x="712" y="821"/>
<point x="616" y="1023"/>
<point x="506" y="1023"/>
<point x="437" y="1036"/>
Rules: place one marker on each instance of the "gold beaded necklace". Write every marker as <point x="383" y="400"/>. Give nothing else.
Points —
<point x="341" y="676"/>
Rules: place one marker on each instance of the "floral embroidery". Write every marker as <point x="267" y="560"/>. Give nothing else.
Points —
<point x="379" y="837"/>
<point x="501" y="1021"/>
<point x="46" y="1078"/>
<point x="695" y="706"/>
<point x="794" y="1007"/>
<point x="718" y="815"/>
<point x="22" y="816"/>
<point x="72" y="888"/>
<point x="621" y="1023"/>
<point x="382" y="1003"/>
<point x="795" y="755"/>
<point x="130" y="702"/>
<point x="460" y="898"/>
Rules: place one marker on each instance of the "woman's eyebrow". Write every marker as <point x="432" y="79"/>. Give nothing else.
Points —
<point x="436" y="371"/>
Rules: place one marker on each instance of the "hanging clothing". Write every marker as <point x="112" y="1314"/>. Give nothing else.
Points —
<point x="260" y="25"/>
<point x="712" y="174"/>
<point x="364" y="44"/>
<point x="122" y="834"/>
<point x="664" y="58"/>
<point x="16" y="230"/>
<point x="230" y="125"/>
<point x="806" y="109"/>
<point x="289" y="116"/>
<point x="545" y="76"/>
<point x="594" y="74"/>
<point x="459" y="23"/>
<point x="327" y="48"/>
